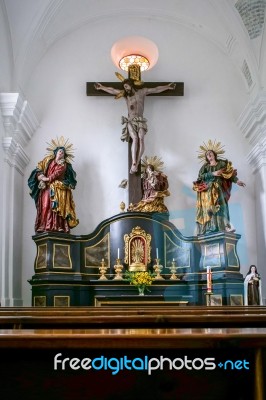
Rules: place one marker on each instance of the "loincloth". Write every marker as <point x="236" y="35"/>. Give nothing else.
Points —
<point x="136" y="123"/>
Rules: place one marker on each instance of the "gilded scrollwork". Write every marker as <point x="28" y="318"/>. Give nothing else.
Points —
<point x="137" y="249"/>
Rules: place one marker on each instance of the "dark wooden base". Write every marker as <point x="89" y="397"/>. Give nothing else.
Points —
<point x="67" y="266"/>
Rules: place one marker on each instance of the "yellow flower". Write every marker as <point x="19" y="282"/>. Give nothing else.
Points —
<point x="140" y="278"/>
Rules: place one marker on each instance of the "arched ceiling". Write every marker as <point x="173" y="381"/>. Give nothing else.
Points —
<point x="236" y="27"/>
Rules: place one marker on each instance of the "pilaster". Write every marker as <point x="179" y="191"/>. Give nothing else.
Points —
<point x="19" y="126"/>
<point x="252" y="123"/>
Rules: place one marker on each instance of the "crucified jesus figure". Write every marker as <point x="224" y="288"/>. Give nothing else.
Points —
<point x="135" y="124"/>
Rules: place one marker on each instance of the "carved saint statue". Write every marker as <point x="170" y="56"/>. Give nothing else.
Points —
<point x="51" y="184"/>
<point x="213" y="188"/>
<point x="154" y="185"/>
<point x="252" y="287"/>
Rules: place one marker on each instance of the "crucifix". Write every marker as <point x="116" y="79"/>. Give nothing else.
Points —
<point x="134" y="92"/>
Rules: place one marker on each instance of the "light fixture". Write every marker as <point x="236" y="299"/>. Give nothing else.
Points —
<point x="134" y="59"/>
<point x="135" y="51"/>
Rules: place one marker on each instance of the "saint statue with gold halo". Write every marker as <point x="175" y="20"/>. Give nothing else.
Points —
<point x="213" y="188"/>
<point x="51" y="184"/>
<point x="154" y="185"/>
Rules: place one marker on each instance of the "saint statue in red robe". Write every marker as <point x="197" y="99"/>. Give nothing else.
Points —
<point x="51" y="185"/>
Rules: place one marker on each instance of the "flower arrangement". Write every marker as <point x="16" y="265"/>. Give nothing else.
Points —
<point x="140" y="279"/>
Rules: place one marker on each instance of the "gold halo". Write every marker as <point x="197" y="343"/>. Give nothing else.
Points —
<point x="214" y="146"/>
<point x="61" y="142"/>
<point x="155" y="161"/>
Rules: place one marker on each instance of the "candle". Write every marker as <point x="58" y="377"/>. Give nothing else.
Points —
<point x="118" y="250"/>
<point x="209" y="279"/>
<point x="157" y="256"/>
<point x="173" y="260"/>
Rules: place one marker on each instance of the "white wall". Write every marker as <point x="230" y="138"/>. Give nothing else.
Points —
<point x="6" y="64"/>
<point x="1" y="201"/>
<point x="214" y="97"/>
<point x="5" y="85"/>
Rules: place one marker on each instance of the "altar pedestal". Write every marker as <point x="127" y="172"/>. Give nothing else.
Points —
<point x="67" y="266"/>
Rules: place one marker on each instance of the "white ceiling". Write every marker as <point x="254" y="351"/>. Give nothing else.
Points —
<point x="35" y="25"/>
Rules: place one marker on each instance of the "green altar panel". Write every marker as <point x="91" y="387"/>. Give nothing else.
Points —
<point x="66" y="268"/>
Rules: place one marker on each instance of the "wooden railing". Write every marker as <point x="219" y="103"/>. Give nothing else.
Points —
<point x="137" y="317"/>
<point x="33" y="336"/>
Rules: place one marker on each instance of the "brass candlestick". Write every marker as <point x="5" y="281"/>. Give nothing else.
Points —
<point x="173" y="269"/>
<point x="102" y="270"/>
<point x="158" y="269"/>
<point x="208" y="295"/>
<point x="118" y="270"/>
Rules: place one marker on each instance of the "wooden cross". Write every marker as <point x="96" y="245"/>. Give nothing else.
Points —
<point x="134" y="180"/>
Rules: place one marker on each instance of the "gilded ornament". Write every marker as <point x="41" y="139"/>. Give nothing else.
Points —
<point x="214" y="146"/>
<point x="137" y="249"/>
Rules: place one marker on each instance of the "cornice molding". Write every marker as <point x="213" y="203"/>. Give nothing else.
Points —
<point x="257" y="156"/>
<point x="27" y="123"/>
<point x="252" y="121"/>
<point x="15" y="156"/>
<point x="9" y="146"/>
<point x="18" y="118"/>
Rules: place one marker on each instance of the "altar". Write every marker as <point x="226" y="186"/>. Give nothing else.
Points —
<point x="67" y="267"/>
<point x="91" y="269"/>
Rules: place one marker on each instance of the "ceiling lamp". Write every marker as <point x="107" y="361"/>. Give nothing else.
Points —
<point x="135" y="51"/>
<point x="134" y="59"/>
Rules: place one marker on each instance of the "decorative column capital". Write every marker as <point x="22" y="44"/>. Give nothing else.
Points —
<point x="252" y="121"/>
<point x="20" y="124"/>
<point x="257" y="156"/>
<point x="15" y="155"/>
<point x="18" y="118"/>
